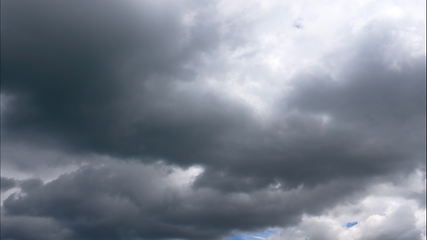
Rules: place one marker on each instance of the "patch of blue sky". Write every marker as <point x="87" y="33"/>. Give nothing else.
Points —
<point x="253" y="236"/>
<point x="351" y="224"/>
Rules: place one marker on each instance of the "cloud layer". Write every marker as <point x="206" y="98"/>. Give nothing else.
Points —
<point x="195" y="120"/>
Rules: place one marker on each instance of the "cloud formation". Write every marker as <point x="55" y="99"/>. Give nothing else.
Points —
<point x="196" y="120"/>
<point x="128" y="200"/>
<point x="390" y="211"/>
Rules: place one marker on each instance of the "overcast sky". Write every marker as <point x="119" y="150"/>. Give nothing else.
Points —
<point x="213" y="120"/>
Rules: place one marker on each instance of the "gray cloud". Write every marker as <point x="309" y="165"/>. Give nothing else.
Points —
<point x="354" y="125"/>
<point x="7" y="183"/>
<point x="72" y="86"/>
<point x="34" y="228"/>
<point x="133" y="201"/>
<point x="117" y="87"/>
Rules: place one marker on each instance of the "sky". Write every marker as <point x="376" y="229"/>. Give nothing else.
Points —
<point x="213" y="120"/>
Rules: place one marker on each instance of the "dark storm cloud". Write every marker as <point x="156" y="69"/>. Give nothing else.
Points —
<point x="27" y="184"/>
<point x="7" y="183"/>
<point x="98" y="77"/>
<point x="32" y="228"/>
<point x="126" y="80"/>
<point x="133" y="201"/>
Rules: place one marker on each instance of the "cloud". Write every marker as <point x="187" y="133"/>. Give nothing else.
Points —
<point x="380" y="214"/>
<point x="7" y="183"/>
<point x="76" y="87"/>
<point x="114" y="200"/>
<point x="195" y="120"/>
<point x="34" y="228"/>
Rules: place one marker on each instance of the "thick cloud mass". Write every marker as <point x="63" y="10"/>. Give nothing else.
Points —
<point x="7" y="183"/>
<point x="70" y="76"/>
<point x="198" y="119"/>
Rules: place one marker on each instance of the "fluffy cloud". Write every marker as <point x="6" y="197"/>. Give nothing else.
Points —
<point x="130" y="200"/>
<point x="390" y="211"/>
<point x="193" y="120"/>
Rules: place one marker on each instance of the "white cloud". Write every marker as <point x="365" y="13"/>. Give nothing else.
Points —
<point x="389" y="211"/>
<point x="270" y="50"/>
